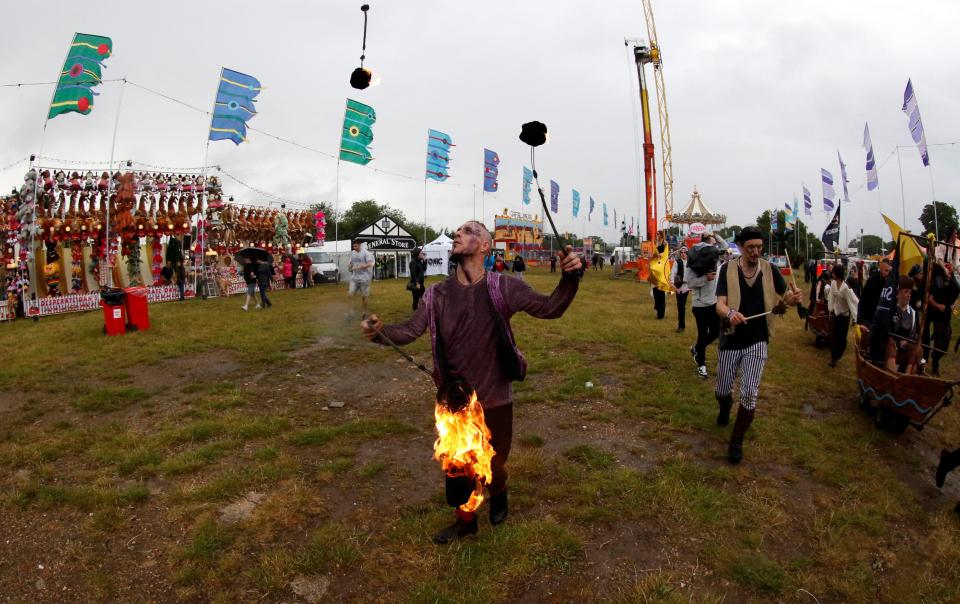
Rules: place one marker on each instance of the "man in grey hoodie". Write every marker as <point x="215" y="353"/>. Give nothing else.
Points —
<point x="703" y="289"/>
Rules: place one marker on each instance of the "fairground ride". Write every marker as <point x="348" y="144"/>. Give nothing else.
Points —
<point x="644" y="53"/>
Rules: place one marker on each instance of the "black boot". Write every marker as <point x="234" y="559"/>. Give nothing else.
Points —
<point x="948" y="462"/>
<point x="465" y="524"/>
<point x="498" y="508"/>
<point x="726" y="403"/>
<point x="740" y="427"/>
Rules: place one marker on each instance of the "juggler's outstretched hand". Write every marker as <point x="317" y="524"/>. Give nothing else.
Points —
<point x="569" y="262"/>
<point x="371" y="327"/>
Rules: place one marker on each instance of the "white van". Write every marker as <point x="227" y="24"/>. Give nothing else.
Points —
<point x="323" y="269"/>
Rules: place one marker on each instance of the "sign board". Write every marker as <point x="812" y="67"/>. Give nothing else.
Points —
<point x="697" y="228"/>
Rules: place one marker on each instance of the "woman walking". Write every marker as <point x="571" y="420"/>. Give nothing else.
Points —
<point x="288" y="275"/>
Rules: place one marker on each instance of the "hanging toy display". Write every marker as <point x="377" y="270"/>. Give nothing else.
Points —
<point x="76" y="268"/>
<point x="131" y="249"/>
<point x="51" y="270"/>
<point x="281" y="225"/>
<point x="320" y="227"/>
<point x="156" y="250"/>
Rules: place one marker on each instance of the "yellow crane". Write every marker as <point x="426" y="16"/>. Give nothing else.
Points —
<point x="665" y="150"/>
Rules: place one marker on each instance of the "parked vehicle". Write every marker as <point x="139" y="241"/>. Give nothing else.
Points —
<point x="323" y="270"/>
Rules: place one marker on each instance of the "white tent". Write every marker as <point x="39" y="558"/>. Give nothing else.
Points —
<point x="438" y="255"/>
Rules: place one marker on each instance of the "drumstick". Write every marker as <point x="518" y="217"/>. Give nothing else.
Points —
<point x="893" y="335"/>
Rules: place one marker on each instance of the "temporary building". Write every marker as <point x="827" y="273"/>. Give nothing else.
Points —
<point x="438" y="255"/>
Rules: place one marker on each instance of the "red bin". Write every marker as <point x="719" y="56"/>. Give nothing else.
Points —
<point x="114" y="319"/>
<point x="137" y="308"/>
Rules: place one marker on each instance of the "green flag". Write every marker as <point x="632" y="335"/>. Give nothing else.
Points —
<point x="357" y="133"/>
<point x="81" y="72"/>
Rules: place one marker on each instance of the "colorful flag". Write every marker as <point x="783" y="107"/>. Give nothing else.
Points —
<point x="807" y="202"/>
<point x="831" y="235"/>
<point x="554" y="196"/>
<point x="233" y="106"/>
<point x="872" y="180"/>
<point x="912" y="110"/>
<point x="438" y="155"/>
<point x="357" y="134"/>
<point x="592" y="205"/>
<point x="576" y="203"/>
<point x="788" y="217"/>
<point x="81" y="72"/>
<point x="909" y="252"/>
<point x="828" y="192"/>
<point x="491" y="163"/>
<point x="605" y="221"/>
<point x="843" y="178"/>
<point x="527" y="184"/>
<point x="774" y="221"/>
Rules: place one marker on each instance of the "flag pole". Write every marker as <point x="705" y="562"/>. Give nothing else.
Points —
<point x="43" y="133"/>
<point x="108" y="261"/>
<point x="424" y="209"/>
<point x="903" y="203"/>
<point x="336" y="212"/>
<point x="933" y="195"/>
<point x="201" y="196"/>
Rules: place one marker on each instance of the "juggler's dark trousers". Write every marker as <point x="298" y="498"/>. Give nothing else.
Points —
<point x="500" y="422"/>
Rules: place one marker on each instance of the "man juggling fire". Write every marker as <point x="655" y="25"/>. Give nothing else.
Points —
<point x="475" y="359"/>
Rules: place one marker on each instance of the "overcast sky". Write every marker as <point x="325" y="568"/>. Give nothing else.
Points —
<point x="761" y="95"/>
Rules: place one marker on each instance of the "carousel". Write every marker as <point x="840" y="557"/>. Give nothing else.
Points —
<point x="697" y="212"/>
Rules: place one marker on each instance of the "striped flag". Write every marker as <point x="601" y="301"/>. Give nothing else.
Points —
<point x="554" y="196"/>
<point x="912" y="110"/>
<point x="843" y="177"/>
<point x="233" y="107"/>
<point x="438" y="155"/>
<point x="81" y="72"/>
<point x="774" y="221"/>
<point x="828" y="192"/>
<point x="491" y="169"/>
<point x="788" y="217"/>
<point x="527" y="183"/>
<point x="807" y="202"/>
<point x="872" y="180"/>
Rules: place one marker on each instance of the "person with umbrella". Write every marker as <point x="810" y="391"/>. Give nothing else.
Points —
<point x="250" y="278"/>
<point x="264" y="275"/>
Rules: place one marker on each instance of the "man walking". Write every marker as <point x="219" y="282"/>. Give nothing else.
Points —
<point x="361" y="274"/>
<point x="678" y="275"/>
<point x="305" y="265"/>
<point x="264" y="277"/>
<point x="747" y="287"/>
<point x="701" y="274"/>
<point x="468" y="316"/>
<point x="842" y="303"/>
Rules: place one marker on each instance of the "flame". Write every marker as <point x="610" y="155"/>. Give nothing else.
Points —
<point x="463" y="446"/>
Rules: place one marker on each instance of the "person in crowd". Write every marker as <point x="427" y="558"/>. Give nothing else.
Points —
<point x="306" y="265"/>
<point x="678" y="275"/>
<point x="499" y="265"/>
<point x="553" y="264"/>
<point x="488" y="262"/>
<point x="601" y="260"/>
<point x="746" y="287"/>
<point x="867" y="308"/>
<point x="418" y="275"/>
<point x="701" y="276"/>
<point x="361" y="274"/>
<point x="166" y="274"/>
<point x="519" y="266"/>
<point x="943" y="294"/>
<point x="659" y="296"/>
<point x="842" y="304"/>
<point x="901" y="345"/>
<point x="855" y="278"/>
<point x="468" y="317"/>
<point x="180" y="272"/>
<point x="949" y="461"/>
<point x="250" y="279"/>
<point x="265" y="272"/>
<point x="295" y="264"/>
<point x="288" y="273"/>
<point x="949" y="251"/>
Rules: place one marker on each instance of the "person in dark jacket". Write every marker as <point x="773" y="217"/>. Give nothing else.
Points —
<point x="264" y="276"/>
<point x="305" y="264"/>
<point x="181" y="274"/>
<point x="871" y="294"/>
<point x="519" y="266"/>
<point x="418" y="274"/>
<point x="250" y="278"/>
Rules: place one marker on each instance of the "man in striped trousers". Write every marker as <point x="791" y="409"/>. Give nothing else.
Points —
<point x="749" y="292"/>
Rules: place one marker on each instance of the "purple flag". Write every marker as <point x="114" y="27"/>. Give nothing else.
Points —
<point x="554" y="196"/>
<point x="912" y="110"/>
<point x="491" y="163"/>
<point x="828" y="192"/>
<point x="807" y="202"/>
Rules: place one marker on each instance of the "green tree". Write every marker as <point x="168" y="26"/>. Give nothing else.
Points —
<point x="946" y="219"/>
<point x="872" y="244"/>
<point x="363" y="213"/>
<point x="799" y="243"/>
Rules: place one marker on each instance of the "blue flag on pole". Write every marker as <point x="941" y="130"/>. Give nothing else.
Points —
<point x="438" y="155"/>
<point x="575" y="206"/>
<point x="912" y="109"/>
<point x="234" y="106"/>
<point x="807" y="201"/>
<point x="527" y="184"/>
<point x="872" y="180"/>
<point x="828" y="192"/>
<point x="774" y="220"/>
<point x="592" y="205"/>
<point x="605" y="221"/>
<point x="554" y="196"/>
<point x="491" y="163"/>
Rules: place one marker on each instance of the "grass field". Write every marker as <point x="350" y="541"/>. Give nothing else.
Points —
<point x="202" y="461"/>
